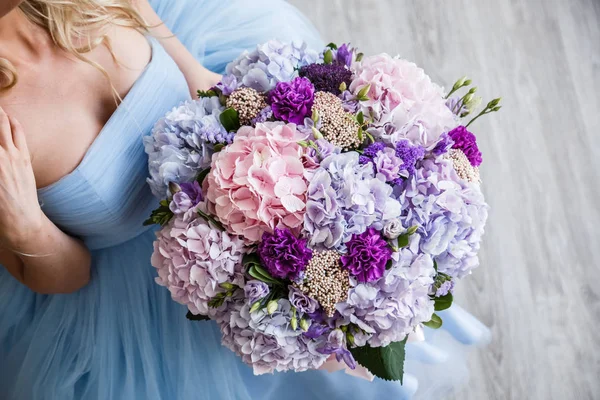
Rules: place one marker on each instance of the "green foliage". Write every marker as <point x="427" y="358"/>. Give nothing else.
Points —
<point x="444" y="302"/>
<point x="202" y="175"/>
<point x="210" y="220"/>
<point x="161" y="216"/>
<point x="384" y="362"/>
<point x="332" y="46"/>
<point x="230" y="120"/>
<point x="207" y="93"/>
<point x="434" y="323"/>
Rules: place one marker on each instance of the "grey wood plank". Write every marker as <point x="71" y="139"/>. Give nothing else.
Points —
<point x="538" y="287"/>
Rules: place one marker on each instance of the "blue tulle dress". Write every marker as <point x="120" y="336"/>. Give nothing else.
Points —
<point x="122" y="337"/>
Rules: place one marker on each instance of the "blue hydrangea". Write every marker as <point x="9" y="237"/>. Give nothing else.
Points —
<point x="182" y="143"/>
<point x="270" y="63"/>
<point x="345" y="198"/>
<point x="450" y="213"/>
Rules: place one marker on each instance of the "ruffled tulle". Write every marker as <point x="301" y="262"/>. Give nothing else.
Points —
<point x="122" y="337"/>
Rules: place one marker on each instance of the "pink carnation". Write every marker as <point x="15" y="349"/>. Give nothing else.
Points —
<point x="192" y="260"/>
<point x="402" y="94"/>
<point x="258" y="182"/>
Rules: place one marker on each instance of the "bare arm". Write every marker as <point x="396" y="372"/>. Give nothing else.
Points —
<point x="32" y="248"/>
<point x="198" y="77"/>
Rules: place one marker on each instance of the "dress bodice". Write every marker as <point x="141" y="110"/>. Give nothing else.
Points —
<point x="106" y="199"/>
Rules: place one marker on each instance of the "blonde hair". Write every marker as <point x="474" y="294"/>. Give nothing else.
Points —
<point x="72" y="22"/>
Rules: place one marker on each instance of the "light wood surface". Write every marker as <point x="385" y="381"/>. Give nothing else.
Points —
<point x="539" y="284"/>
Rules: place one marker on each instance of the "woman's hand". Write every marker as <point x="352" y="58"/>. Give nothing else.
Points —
<point x="20" y="212"/>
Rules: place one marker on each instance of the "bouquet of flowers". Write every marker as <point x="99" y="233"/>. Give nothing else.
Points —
<point x="317" y="205"/>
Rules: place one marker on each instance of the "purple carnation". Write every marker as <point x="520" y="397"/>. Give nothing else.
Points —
<point x="292" y="101"/>
<point x="410" y="155"/>
<point x="467" y="142"/>
<point x="284" y="255"/>
<point x="327" y="77"/>
<point x="368" y="254"/>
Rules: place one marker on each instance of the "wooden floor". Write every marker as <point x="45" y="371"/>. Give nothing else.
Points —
<point x="539" y="284"/>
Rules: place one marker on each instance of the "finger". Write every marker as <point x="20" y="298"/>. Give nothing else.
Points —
<point x="18" y="134"/>
<point x="5" y="134"/>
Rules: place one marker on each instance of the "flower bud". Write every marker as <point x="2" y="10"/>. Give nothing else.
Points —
<point x="304" y="324"/>
<point x="255" y="306"/>
<point x="328" y="57"/>
<point x="174" y="188"/>
<point x="318" y="135"/>
<point x="412" y="229"/>
<point x="343" y="87"/>
<point x="272" y="306"/>
<point x="294" y="322"/>
<point x="362" y="94"/>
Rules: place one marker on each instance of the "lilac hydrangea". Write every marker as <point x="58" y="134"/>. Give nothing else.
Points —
<point x="267" y="342"/>
<point x="270" y="63"/>
<point x="193" y="259"/>
<point x="182" y="143"/>
<point x="450" y="213"/>
<point x="444" y="289"/>
<point x="391" y="308"/>
<point x="345" y="198"/>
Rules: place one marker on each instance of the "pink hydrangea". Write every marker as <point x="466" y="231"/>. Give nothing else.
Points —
<point x="259" y="182"/>
<point x="192" y="260"/>
<point x="401" y="94"/>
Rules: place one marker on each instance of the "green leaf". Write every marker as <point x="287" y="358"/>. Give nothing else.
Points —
<point x="435" y="266"/>
<point x="211" y="220"/>
<point x="199" y="317"/>
<point x="384" y="362"/>
<point x="328" y="57"/>
<point x="259" y="273"/>
<point x="161" y="216"/>
<point x="444" y="302"/>
<point x="389" y="264"/>
<point x="403" y="240"/>
<point x="332" y="46"/>
<point x="359" y="57"/>
<point x="218" y="147"/>
<point x="206" y="93"/>
<point x="360" y="118"/>
<point x="202" y="175"/>
<point x="434" y="323"/>
<point x="230" y="120"/>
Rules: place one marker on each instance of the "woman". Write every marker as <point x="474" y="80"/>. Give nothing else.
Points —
<point x="80" y="315"/>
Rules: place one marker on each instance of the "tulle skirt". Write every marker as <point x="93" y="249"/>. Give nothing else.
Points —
<point x="122" y="337"/>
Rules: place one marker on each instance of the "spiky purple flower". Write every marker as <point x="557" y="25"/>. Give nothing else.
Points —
<point x="409" y="154"/>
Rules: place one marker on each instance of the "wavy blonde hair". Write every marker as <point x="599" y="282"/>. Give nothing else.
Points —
<point x="72" y="22"/>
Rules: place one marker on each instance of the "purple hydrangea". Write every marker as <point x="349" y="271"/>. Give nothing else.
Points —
<point x="336" y="344"/>
<point x="292" y="101"/>
<point x="450" y="214"/>
<point x="182" y="143"/>
<point x="349" y="102"/>
<point x="255" y="290"/>
<point x="267" y="342"/>
<point x="444" y="289"/>
<point x="389" y="309"/>
<point x="284" y="255"/>
<point x="327" y="77"/>
<point x="410" y="156"/>
<point x="263" y="116"/>
<point x="228" y="85"/>
<point x="302" y="302"/>
<point x="271" y="63"/>
<point x="367" y="256"/>
<point x="467" y="142"/>
<point x="345" y="198"/>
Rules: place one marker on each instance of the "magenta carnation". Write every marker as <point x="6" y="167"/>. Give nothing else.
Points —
<point x="258" y="182"/>
<point x="367" y="256"/>
<point x="467" y="142"/>
<point x="292" y="101"/>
